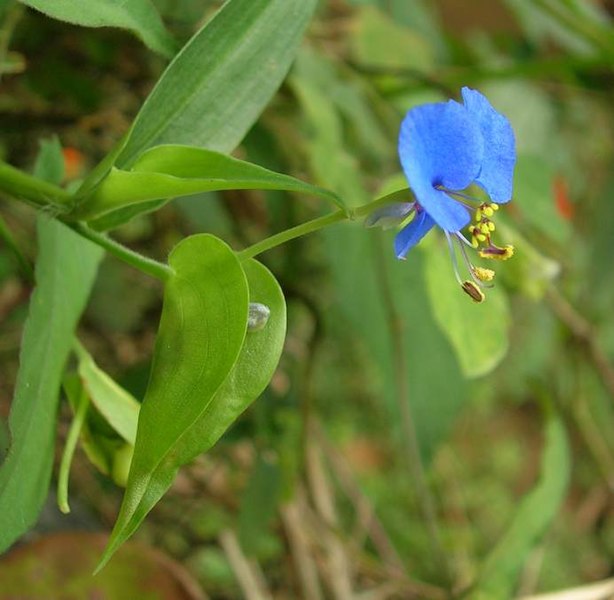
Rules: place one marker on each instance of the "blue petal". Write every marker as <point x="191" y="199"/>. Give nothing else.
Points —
<point x="449" y="214"/>
<point x="499" y="159"/>
<point x="441" y="145"/>
<point x="412" y="233"/>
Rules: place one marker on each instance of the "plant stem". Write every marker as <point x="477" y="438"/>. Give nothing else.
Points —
<point x="293" y="233"/>
<point x="69" y="449"/>
<point x="32" y="190"/>
<point x="142" y="263"/>
<point x="317" y="224"/>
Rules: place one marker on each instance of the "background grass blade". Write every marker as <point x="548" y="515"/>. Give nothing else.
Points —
<point x="535" y="514"/>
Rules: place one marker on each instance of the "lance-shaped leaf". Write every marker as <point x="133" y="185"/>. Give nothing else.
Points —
<point x="138" y="16"/>
<point x="65" y="272"/>
<point x="214" y="90"/>
<point x="217" y="86"/>
<point x="115" y="404"/>
<point x="245" y="382"/>
<point x="172" y="170"/>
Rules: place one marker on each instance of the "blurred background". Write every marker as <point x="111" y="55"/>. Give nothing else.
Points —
<point x="314" y="492"/>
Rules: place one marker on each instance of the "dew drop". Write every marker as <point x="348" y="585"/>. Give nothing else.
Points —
<point x="258" y="316"/>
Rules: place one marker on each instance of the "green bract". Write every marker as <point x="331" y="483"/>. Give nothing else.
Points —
<point x="206" y="368"/>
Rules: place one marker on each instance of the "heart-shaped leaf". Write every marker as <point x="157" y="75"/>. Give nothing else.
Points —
<point x="207" y="367"/>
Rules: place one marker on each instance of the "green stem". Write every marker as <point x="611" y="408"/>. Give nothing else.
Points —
<point x="319" y="223"/>
<point x="32" y="190"/>
<point x="69" y="450"/>
<point x="291" y="234"/>
<point x="142" y="263"/>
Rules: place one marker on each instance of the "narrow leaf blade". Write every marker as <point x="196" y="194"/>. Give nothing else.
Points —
<point x="114" y="403"/>
<point x="173" y="170"/>
<point x="217" y="86"/>
<point x="65" y="272"/>
<point x="138" y="16"/>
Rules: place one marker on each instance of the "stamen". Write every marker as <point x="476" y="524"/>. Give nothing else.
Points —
<point x="454" y="260"/>
<point x="473" y="291"/>
<point x="464" y="199"/>
<point x="463" y="239"/>
<point x="483" y="274"/>
<point x="472" y="269"/>
<point x="494" y="252"/>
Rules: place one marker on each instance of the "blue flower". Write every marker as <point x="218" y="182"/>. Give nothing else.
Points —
<point x="444" y="148"/>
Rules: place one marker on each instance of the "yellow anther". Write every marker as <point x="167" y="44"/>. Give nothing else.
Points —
<point x="494" y="206"/>
<point x="483" y="274"/>
<point x="478" y="215"/>
<point x="497" y="253"/>
<point x="484" y="228"/>
<point x="488" y="211"/>
<point x="471" y="228"/>
<point x="474" y="242"/>
<point x="481" y="237"/>
<point x="491" y="226"/>
<point x="473" y="291"/>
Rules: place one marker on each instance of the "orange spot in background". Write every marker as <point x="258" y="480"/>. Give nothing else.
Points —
<point x="564" y="206"/>
<point x="74" y="163"/>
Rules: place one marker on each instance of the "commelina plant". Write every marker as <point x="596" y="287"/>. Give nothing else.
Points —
<point x="223" y="319"/>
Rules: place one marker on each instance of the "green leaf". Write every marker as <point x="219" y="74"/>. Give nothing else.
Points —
<point x="478" y="332"/>
<point x="253" y="370"/>
<point x="65" y="272"/>
<point x="536" y="512"/>
<point x="219" y="83"/>
<point x="201" y="332"/>
<point x="170" y="171"/>
<point x="138" y="16"/>
<point x="115" y="404"/>
<point x="251" y="373"/>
